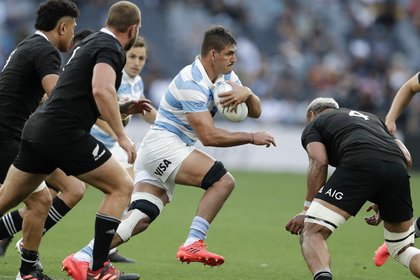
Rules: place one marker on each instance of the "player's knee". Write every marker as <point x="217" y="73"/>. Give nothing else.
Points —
<point x="73" y="193"/>
<point x="144" y="209"/>
<point x="126" y="186"/>
<point x="215" y="173"/>
<point x="78" y="191"/>
<point x="39" y="202"/>
<point x="401" y="245"/>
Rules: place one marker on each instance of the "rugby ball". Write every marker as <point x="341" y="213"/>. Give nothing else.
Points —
<point x="237" y="115"/>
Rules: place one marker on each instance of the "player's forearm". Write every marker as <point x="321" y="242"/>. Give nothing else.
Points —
<point x="254" y="105"/>
<point x="109" y="109"/>
<point x="316" y="177"/>
<point x="403" y="98"/>
<point x="222" y="138"/>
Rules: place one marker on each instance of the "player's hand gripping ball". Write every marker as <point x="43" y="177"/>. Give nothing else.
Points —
<point x="237" y="115"/>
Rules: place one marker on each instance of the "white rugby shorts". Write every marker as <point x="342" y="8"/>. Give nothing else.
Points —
<point x="159" y="158"/>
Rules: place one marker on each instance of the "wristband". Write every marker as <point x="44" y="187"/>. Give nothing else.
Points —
<point x="307" y="203"/>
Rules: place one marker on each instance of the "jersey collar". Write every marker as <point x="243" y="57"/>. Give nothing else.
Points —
<point x="42" y="34"/>
<point x="107" y="31"/>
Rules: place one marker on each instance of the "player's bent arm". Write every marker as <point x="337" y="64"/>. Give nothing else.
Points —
<point x="104" y="92"/>
<point x="403" y="98"/>
<point x="405" y="151"/>
<point x="254" y="105"/>
<point x="209" y="135"/>
<point x="48" y="83"/>
<point x="317" y="169"/>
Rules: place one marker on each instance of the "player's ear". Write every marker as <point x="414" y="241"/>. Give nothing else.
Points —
<point x="62" y="27"/>
<point x="132" y="31"/>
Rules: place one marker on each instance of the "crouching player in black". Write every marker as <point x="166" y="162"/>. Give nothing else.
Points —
<point x="371" y="165"/>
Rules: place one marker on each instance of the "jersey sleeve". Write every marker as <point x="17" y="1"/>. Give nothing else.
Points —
<point x="112" y="57"/>
<point x="310" y="134"/>
<point x="47" y="61"/>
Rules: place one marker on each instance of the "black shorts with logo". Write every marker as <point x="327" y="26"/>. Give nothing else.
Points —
<point x="384" y="183"/>
<point x="73" y="158"/>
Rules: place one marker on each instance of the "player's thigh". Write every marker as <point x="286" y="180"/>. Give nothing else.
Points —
<point x="194" y="167"/>
<point x="157" y="191"/>
<point x="109" y="177"/>
<point x="17" y="186"/>
<point x="8" y="153"/>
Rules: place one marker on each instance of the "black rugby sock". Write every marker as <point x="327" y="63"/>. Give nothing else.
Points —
<point x="105" y="229"/>
<point x="28" y="261"/>
<point x="323" y="275"/>
<point x="57" y="211"/>
<point x="10" y="224"/>
<point x="417" y="228"/>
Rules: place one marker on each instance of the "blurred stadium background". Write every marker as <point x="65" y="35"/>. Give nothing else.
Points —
<point x="289" y="52"/>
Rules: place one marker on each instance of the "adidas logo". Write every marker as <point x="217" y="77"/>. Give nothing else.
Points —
<point x="193" y="250"/>
<point x="111" y="231"/>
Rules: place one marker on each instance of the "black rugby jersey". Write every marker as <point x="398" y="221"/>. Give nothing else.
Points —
<point x="71" y="111"/>
<point x="21" y="83"/>
<point x="350" y="136"/>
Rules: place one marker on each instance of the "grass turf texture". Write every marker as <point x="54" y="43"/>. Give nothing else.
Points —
<point x="249" y="232"/>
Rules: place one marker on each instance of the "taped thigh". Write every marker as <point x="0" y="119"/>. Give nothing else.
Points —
<point x="319" y="214"/>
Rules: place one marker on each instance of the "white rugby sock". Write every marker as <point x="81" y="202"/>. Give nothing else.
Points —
<point x="85" y="254"/>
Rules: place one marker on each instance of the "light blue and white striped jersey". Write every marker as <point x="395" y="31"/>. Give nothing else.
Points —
<point x="190" y="91"/>
<point x="130" y="89"/>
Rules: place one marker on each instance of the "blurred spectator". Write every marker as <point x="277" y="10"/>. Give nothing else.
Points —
<point x="358" y="52"/>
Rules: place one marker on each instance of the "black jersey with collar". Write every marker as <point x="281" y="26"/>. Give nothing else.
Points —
<point x="71" y="110"/>
<point x="350" y="136"/>
<point x="21" y="83"/>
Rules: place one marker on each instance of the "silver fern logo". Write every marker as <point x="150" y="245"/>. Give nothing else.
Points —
<point x="96" y="154"/>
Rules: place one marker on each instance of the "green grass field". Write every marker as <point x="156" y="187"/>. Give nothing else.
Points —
<point x="249" y="232"/>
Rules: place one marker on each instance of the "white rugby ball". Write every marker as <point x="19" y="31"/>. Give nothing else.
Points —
<point x="237" y="115"/>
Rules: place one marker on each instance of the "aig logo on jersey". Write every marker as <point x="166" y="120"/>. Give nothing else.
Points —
<point x="332" y="193"/>
<point x="162" y="167"/>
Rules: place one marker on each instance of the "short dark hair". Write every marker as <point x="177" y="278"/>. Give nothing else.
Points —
<point x="217" y="38"/>
<point x="51" y="11"/>
<point x="122" y="15"/>
<point x="82" y="34"/>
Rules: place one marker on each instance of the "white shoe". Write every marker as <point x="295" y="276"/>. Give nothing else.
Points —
<point x="18" y="246"/>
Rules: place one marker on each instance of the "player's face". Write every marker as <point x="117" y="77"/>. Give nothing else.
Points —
<point x="225" y="59"/>
<point x="67" y="28"/>
<point x="136" y="58"/>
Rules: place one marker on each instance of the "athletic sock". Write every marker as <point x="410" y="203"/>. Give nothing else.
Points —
<point x="57" y="211"/>
<point x="323" y="275"/>
<point x="198" y="230"/>
<point x="105" y="229"/>
<point x="417" y="228"/>
<point x="28" y="261"/>
<point x="10" y="224"/>
<point x="85" y="254"/>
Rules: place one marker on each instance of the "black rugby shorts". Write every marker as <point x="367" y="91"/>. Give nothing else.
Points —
<point x="382" y="182"/>
<point x="73" y="158"/>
